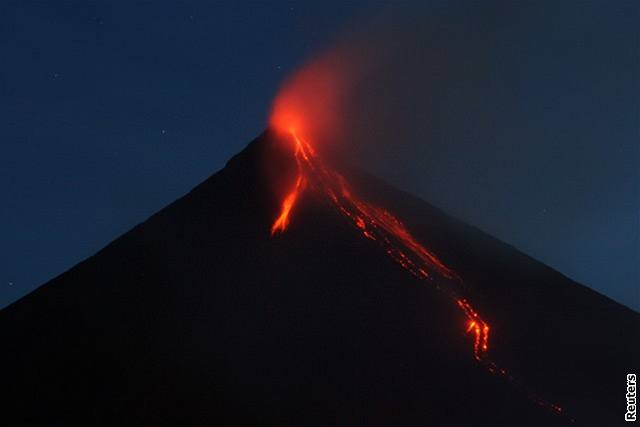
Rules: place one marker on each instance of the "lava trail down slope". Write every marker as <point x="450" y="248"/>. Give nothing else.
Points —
<point x="267" y="296"/>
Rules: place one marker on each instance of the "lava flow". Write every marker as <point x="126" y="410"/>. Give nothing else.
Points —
<point x="376" y="224"/>
<point x="281" y="223"/>
<point x="381" y="226"/>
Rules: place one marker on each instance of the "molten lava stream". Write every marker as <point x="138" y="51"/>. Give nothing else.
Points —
<point x="376" y="224"/>
<point x="281" y="223"/>
<point x="380" y="225"/>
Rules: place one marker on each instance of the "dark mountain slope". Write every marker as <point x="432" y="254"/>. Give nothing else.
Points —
<point x="199" y="317"/>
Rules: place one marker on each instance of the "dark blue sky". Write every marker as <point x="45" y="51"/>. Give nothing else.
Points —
<point x="111" y="110"/>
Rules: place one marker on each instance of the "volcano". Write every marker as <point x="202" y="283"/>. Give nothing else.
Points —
<point x="268" y="296"/>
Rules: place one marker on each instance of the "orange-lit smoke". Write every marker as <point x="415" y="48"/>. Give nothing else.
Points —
<point x="316" y="99"/>
<point x="310" y="101"/>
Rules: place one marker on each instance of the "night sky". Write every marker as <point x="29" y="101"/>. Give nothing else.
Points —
<point x="111" y="110"/>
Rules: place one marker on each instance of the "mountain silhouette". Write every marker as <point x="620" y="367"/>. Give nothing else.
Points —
<point x="199" y="317"/>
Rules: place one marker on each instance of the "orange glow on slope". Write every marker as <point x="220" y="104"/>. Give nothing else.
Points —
<point x="381" y="226"/>
<point x="281" y="223"/>
<point x="479" y="327"/>
<point x="283" y="220"/>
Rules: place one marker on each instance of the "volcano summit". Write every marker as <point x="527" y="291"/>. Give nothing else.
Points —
<point x="282" y="291"/>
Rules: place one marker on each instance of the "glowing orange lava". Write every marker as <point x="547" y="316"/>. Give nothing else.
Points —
<point x="381" y="226"/>
<point x="479" y="328"/>
<point x="281" y="223"/>
<point x="375" y="224"/>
